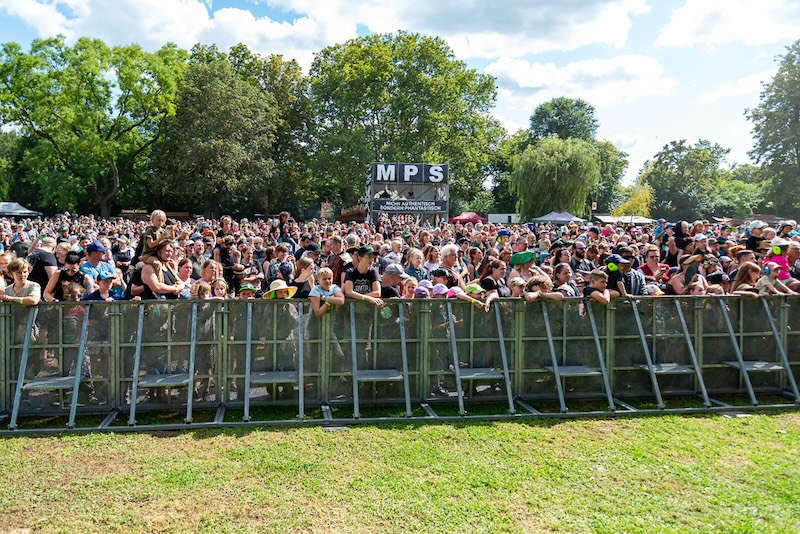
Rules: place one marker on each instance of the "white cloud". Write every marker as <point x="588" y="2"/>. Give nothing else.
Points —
<point x="601" y="82"/>
<point x="746" y="85"/>
<point x="473" y="28"/>
<point x="717" y="22"/>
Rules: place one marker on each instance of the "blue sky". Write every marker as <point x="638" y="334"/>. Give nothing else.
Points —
<point x="654" y="70"/>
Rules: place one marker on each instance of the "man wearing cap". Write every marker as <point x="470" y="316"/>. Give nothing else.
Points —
<point x="247" y="291"/>
<point x="449" y="262"/>
<point x="613" y="269"/>
<point x="755" y="237"/>
<point x="362" y="282"/>
<point x="94" y="265"/>
<point x="392" y="281"/>
<point x="103" y="292"/>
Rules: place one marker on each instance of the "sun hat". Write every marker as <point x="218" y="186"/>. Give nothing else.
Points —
<point x="277" y="285"/>
<point x="454" y="292"/>
<point x="427" y="284"/>
<point x="474" y="289"/>
<point x="521" y="258"/>
<point x="421" y="293"/>
<point x="439" y="289"/>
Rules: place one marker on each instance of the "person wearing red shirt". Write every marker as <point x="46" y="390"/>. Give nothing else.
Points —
<point x="652" y="269"/>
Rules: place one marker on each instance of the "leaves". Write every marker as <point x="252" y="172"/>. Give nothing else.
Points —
<point x="639" y="203"/>
<point x="566" y="169"/>
<point x="565" y="118"/>
<point x="776" y="130"/>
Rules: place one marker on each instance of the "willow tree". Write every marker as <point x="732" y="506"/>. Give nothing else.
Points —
<point x="555" y="175"/>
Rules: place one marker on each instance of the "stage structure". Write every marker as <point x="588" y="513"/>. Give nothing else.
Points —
<point x="408" y="192"/>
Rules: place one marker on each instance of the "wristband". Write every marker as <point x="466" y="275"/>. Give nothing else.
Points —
<point x="19" y="300"/>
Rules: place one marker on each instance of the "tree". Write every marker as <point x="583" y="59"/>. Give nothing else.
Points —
<point x="736" y="198"/>
<point x="500" y="166"/>
<point x="216" y="150"/>
<point x="555" y="174"/>
<point x="8" y="149"/>
<point x="564" y="117"/>
<point x="399" y="97"/>
<point x="684" y="179"/>
<point x="639" y="202"/>
<point x="612" y="163"/>
<point x="95" y="110"/>
<point x="291" y="186"/>
<point x="776" y="130"/>
<point x="482" y="203"/>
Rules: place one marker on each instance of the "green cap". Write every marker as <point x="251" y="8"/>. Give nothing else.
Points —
<point x="474" y="289"/>
<point x="521" y="258"/>
<point x="247" y="286"/>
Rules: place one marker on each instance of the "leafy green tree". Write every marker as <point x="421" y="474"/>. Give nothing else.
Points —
<point x="564" y="117"/>
<point x="282" y="81"/>
<point x="684" y="179"/>
<point x="216" y="150"/>
<point x="612" y="163"/>
<point x="399" y="97"/>
<point x="8" y="149"/>
<point x="482" y="203"/>
<point x="95" y="110"/>
<point x="500" y="166"/>
<point x="639" y="202"/>
<point x="737" y="198"/>
<point x="555" y="174"/>
<point x="776" y="130"/>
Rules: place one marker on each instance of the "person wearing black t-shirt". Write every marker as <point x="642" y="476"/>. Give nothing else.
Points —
<point x="43" y="262"/>
<point x="362" y="282"/>
<point x="69" y="274"/>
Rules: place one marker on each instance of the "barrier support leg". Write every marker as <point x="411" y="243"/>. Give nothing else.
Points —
<point x="23" y="364"/>
<point x="690" y="347"/>
<point x="73" y="405"/>
<point x="248" y="363"/>
<point x="504" y="359"/>
<point x="781" y="351"/>
<point x="456" y="363"/>
<point x="600" y="358"/>
<point x="738" y="352"/>
<point x="553" y="358"/>
<point x="404" y="356"/>
<point x="137" y="360"/>
<point x="301" y="383"/>
<point x="192" y="350"/>
<point x="647" y="357"/>
<point x="354" y="360"/>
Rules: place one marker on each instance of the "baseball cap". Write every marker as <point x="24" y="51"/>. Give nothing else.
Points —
<point x="616" y="258"/>
<point x="474" y="289"/>
<point x="366" y="249"/>
<point x="758" y="224"/>
<point x="438" y="272"/>
<point x="440" y="289"/>
<point x="725" y="259"/>
<point x="427" y="284"/>
<point x="96" y="246"/>
<point x="454" y="292"/>
<point x="105" y="275"/>
<point x="396" y="269"/>
<point x="718" y="278"/>
<point x="700" y="237"/>
<point x="421" y="293"/>
<point x="247" y="286"/>
<point x="286" y="270"/>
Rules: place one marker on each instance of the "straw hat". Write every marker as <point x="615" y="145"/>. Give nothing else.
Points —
<point x="277" y="285"/>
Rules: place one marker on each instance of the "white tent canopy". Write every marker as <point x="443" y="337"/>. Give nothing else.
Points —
<point x="623" y="219"/>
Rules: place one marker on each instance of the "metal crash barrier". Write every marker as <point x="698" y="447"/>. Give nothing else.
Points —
<point x="195" y="364"/>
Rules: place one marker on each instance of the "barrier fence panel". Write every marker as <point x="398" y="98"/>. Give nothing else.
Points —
<point x="194" y="356"/>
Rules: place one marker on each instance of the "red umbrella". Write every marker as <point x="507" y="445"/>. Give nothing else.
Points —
<point x="468" y="217"/>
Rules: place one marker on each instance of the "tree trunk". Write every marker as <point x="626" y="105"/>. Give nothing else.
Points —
<point x="105" y="200"/>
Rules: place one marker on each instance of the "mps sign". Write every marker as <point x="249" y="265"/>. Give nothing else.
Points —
<point x="409" y="172"/>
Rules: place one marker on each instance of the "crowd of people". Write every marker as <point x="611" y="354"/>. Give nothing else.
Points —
<point x="75" y="258"/>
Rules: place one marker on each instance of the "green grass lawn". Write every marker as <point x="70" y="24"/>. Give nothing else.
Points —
<point x="646" y="474"/>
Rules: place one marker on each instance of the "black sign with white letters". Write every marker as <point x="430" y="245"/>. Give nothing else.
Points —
<point x="400" y="173"/>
